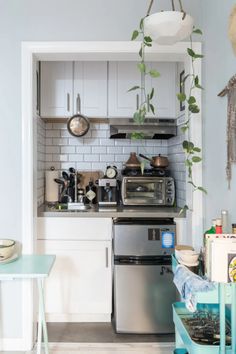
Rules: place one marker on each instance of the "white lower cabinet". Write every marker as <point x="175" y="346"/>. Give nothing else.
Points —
<point x="79" y="288"/>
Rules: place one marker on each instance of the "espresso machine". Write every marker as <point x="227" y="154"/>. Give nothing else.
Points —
<point x="107" y="192"/>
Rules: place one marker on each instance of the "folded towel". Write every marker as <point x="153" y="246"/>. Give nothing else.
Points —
<point x="188" y="284"/>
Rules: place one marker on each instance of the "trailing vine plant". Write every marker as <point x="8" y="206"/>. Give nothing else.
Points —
<point x="192" y="152"/>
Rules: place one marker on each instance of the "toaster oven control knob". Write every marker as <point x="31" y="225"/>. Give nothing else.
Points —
<point x="169" y="200"/>
<point x="169" y="183"/>
<point x="169" y="191"/>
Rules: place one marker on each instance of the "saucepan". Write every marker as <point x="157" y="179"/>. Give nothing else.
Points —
<point x="157" y="161"/>
<point x="78" y="125"/>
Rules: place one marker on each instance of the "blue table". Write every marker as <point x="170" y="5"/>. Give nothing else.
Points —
<point x="32" y="267"/>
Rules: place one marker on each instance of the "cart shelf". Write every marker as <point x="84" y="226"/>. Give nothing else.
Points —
<point x="223" y="294"/>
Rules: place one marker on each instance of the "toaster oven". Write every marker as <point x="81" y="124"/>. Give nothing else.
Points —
<point x="148" y="191"/>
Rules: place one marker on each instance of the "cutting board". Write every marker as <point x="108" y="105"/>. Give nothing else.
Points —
<point x="87" y="175"/>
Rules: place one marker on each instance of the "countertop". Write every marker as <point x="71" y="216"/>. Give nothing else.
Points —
<point x="114" y="212"/>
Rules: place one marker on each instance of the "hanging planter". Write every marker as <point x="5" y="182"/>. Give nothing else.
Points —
<point x="168" y="27"/>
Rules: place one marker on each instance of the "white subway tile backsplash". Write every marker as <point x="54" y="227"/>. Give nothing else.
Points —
<point x="114" y="149"/>
<point x="91" y="157"/>
<point x="84" y="166"/>
<point x="99" y="133"/>
<point x="83" y="149"/>
<point x="75" y="157"/>
<point x="61" y="158"/>
<point x="107" y="158"/>
<point x="67" y="149"/>
<point x="60" y="141"/>
<point x="95" y="151"/>
<point x="53" y="133"/>
<point x="107" y="142"/>
<point x="99" y="149"/>
<point x="101" y="166"/>
<point x="53" y="150"/>
<point x="75" y="141"/>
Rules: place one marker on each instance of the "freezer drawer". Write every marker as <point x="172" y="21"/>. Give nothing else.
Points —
<point x="143" y="298"/>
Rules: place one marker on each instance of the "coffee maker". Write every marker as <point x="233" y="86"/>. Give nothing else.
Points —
<point x="107" y="192"/>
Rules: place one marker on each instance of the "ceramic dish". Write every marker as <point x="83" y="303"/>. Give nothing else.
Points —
<point x="13" y="258"/>
<point x="189" y="264"/>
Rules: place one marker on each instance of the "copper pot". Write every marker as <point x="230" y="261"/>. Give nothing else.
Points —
<point x="157" y="161"/>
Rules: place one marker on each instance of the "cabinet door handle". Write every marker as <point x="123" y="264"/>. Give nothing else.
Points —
<point x="137" y="101"/>
<point x="68" y="102"/>
<point x="107" y="260"/>
<point x="78" y="103"/>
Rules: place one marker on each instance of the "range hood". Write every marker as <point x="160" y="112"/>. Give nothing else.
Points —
<point x="153" y="128"/>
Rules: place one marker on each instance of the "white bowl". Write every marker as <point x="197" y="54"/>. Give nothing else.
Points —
<point x="168" y="27"/>
<point x="188" y="256"/>
<point x="7" y="248"/>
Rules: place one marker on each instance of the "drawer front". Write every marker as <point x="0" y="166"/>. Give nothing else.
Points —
<point x="74" y="229"/>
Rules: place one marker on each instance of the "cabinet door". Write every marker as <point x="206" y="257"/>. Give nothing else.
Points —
<point x="79" y="286"/>
<point x="56" y="89"/>
<point x="90" y="83"/>
<point x="123" y="76"/>
<point x="164" y="100"/>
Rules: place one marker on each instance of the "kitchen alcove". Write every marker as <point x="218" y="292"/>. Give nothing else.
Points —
<point x="86" y="51"/>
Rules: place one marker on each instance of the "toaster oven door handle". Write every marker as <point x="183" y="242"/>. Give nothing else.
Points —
<point x="123" y="191"/>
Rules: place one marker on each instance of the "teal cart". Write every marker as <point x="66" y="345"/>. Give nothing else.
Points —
<point x="216" y="299"/>
<point x="35" y="267"/>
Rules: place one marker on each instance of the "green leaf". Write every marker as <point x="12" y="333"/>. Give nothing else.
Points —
<point x="188" y="146"/>
<point x="140" y="53"/>
<point x="184" y="128"/>
<point x="154" y="73"/>
<point x="196" y="159"/>
<point x="191" y="52"/>
<point x="181" y="97"/>
<point x="137" y="135"/>
<point x="196" y="80"/>
<point x="133" y="88"/>
<point x="151" y="94"/>
<point x="194" y="108"/>
<point x="185" y="144"/>
<point x="134" y="35"/>
<point x="197" y="149"/>
<point x="148" y="44"/>
<point x="191" y="100"/>
<point x="193" y="184"/>
<point x="148" y="39"/>
<point x="141" y="24"/>
<point x="202" y="190"/>
<point x="197" y="31"/>
<point x="183" y="210"/>
<point x="188" y="163"/>
<point x="152" y="108"/>
<point x="142" y="67"/>
<point x="199" y="87"/>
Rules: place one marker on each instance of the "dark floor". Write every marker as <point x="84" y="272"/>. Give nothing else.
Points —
<point x="98" y="333"/>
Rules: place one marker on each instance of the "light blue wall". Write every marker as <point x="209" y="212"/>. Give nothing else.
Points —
<point x="22" y="20"/>
<point x="219" y="66"/>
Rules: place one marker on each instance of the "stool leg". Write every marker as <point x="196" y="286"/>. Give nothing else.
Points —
<point x="39" y="337"/>
<point x="43" y="317"/>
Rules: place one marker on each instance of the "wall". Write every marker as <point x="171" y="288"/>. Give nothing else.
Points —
<point x="31" y="20"/>
<point x="219" y="66"/>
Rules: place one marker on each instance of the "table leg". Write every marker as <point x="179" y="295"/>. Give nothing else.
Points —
<point x="222" y="318"/>
<point x="43" y="325"/>
<point x="233" y="317"/>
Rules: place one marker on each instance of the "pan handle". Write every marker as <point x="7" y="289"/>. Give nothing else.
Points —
<point x="78" y="103"/>
<point x="145" y="157"/>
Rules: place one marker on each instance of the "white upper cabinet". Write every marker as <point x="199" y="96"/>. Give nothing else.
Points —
<point x="90" y="88"/>
<point x="123" y="76"/>
<point x="164" y="100"/>
<point x="100" y="89"/>
<point x="56" y="89"/>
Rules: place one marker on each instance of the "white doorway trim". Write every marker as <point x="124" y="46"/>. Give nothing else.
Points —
<point x="126" y="51"/>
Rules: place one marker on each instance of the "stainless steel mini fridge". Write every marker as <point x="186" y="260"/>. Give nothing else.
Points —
<point x="143" y="280"/>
